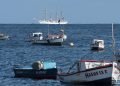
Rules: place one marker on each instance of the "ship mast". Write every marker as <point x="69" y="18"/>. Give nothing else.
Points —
<point x="113" y="41"/>
<point x="56" y="16"/>
<point x="45" y="14"/>
<point x="48" y="30"/>
<point x="62" y="18"/>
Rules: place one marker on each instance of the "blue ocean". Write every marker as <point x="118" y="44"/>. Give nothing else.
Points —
<point x="17" y="50"/>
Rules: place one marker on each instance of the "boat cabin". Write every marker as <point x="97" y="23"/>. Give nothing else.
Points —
<point x="83" y="65"/>
<point x="37" y="35"/>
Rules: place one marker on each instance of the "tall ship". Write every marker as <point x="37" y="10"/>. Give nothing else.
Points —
<point x="49" y="21"/>
<point x="59" y="20"/>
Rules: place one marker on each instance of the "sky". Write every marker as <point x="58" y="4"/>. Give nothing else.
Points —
<point x="74" y="11"/>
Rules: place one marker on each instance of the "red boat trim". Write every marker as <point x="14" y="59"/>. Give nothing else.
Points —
<point x="94" y="61"/>
<point x="96" y="68"/>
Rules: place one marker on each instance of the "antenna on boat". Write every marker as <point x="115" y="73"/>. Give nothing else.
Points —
<point x="48" y="30"/>
<point x="61" y="14"/>
<point x="113" y="40"/>
<point x="56" y="16"/>
<point x="45" y="14"/>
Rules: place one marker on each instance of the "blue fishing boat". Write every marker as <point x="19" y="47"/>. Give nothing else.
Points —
<point x="38" y="70"/>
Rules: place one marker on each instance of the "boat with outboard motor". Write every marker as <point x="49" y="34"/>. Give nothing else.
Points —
<point x="38" y="70"/>
<point x="93" y="72"/>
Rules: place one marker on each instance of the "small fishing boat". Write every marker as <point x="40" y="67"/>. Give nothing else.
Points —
<point x="97" y="44"/>
<point x="50" y="39"/>
<point x="37" y="36"/>
<point x="3" y="36"/>
<point x="92" y="72"/>
<point x="38" y="70"/>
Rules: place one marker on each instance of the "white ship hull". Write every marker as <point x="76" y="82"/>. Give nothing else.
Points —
<point x="107" y="74"/>
<point x="52" y="22"/>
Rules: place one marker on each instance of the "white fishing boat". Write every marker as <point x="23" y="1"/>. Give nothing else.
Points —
<point x="93" y="72"/>
<point x="3" y="36"/>
<point x="50" y="39"/>
<point x="97" y="44"/>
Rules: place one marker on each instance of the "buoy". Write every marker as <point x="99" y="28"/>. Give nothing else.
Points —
<point x="71" y="44"/>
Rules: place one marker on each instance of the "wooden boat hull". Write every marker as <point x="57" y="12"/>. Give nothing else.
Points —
<point x="36" y="74"/>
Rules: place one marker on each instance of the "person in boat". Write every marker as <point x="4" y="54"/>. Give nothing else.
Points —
<point x="41" y="37"/>
<point x="61" y="33"/>
<point x="59" y="21"/>
<point x="38" y="35"/>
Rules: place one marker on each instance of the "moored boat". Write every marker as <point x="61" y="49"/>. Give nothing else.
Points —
<point x="38" y="70"/>
<point x="91" y="72"/>
<point x="3" y="36"/>
<point x="50" y="39"/>
<point x="97" y="44"/>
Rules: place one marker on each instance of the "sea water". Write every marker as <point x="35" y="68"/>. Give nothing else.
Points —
<point x="19" y="51"/>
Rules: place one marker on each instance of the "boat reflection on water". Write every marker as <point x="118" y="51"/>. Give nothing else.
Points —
<point x="68" y="84"/>
<point x="87" y="85"/>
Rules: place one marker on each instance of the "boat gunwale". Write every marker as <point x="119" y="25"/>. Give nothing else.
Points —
<point x="94" y="61"/>
<point x="100" y="67"/>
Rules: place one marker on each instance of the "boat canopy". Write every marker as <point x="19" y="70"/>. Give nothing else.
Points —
<point x="49" y="65"/>
<point x="98" y="41"/>
<point x="37" y="34"/>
